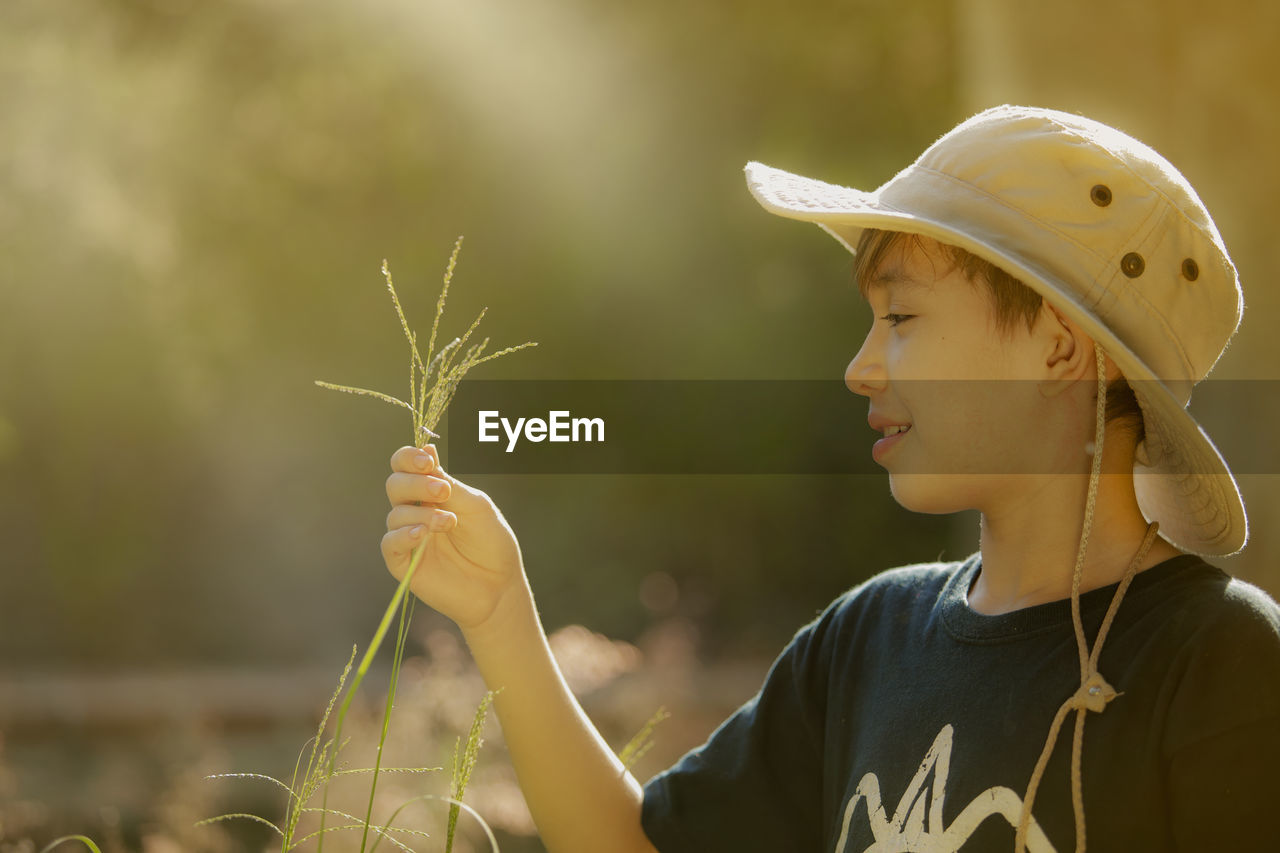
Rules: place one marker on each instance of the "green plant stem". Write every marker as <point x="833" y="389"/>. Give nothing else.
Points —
<point x="314" y="775"/>
<point x="365" y="662"/>
<point x="406" y="616"/>
<point x="453" y="806"/>
<point x="82" y="839"/>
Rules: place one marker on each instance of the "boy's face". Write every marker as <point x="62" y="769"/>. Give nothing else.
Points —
<point x="974" y="397"/>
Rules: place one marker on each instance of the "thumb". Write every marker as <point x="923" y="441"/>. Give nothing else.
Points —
<point x="462" y="497"/>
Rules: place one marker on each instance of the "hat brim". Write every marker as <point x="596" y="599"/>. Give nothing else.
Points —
<point x="1180" y="477"/>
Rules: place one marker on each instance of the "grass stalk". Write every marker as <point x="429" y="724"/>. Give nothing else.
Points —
<point x="432" y="383"/>
<point x="406" y="615"/>
<point x="642" y="741"/>
<point x="82" y="839"/>
<point x="427" y="404"/>
<point x="464" y="761"/>
<point x="363" y="669"/>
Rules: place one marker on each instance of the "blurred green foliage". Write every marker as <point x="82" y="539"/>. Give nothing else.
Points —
<point x="195" y="199"/>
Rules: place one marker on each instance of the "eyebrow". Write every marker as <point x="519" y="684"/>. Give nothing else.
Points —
<point x="894" y="279"/>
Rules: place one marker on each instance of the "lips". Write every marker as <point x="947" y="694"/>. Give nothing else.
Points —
<point x="894" y="431"/>
<point x="887" y="444"/>
<point x="881" y="422"/>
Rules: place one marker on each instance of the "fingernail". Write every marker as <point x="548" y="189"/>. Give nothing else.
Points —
<point x="423" y="461"/>
<point x="415" y="532"/>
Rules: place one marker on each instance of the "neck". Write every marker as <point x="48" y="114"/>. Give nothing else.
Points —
<point x="1029" y="543"/>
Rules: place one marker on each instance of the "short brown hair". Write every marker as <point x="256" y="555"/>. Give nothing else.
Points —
<point x="1011" y="300"/>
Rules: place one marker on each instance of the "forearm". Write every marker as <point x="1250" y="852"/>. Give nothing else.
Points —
<point x="581" y="797"/>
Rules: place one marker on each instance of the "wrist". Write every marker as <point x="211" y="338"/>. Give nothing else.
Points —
<point x="511" y="624"/>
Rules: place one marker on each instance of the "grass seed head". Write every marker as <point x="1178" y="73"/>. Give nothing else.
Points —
<point x="433" y="379"/>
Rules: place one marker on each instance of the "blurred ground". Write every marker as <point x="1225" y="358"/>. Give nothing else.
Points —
<point x="145" y="745"/>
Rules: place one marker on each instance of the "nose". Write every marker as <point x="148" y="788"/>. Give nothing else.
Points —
<point x="865" y="375"/>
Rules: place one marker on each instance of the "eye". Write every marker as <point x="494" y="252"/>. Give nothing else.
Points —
<point x="895" y="319"/>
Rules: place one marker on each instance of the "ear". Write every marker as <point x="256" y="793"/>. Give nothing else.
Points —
<point x="1066" y="350"/>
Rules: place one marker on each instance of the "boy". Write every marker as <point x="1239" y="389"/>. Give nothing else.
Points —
<point x="1025" y="262"/>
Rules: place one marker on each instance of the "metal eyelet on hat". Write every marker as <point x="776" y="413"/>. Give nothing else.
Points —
<point x="1190" y="269"/>
<point x="1100" y="194"/>
<point x="1132" y="265"/>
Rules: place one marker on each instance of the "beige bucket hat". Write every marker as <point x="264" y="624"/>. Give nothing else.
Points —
<point x="1112" y="235"/>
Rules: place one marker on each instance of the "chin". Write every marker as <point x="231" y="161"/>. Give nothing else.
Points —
<point x="933" y="494"/>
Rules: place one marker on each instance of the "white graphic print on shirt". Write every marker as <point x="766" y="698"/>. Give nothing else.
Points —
<point x="916" y="824"/>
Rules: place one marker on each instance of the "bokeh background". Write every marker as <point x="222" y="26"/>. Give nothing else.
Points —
<point x="195" y="199"/>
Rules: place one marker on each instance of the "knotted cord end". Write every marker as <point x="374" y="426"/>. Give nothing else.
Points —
<point x="1094" y="693"/>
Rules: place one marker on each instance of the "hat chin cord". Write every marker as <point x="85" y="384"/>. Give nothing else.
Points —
<point x="1094" y="692"/>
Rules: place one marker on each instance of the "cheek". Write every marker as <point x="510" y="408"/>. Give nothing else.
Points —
<point x="954" y="409"/>
<point x="975" y="427"/>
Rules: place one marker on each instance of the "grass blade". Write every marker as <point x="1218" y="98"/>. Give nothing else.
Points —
<point x="444" y="294"/>
<point x="82" y="839"/>
<point x="239" y="816"/>
<point x="463" y="764"/>
<point x="365" y="392"/>
<point x="367" y="660"/>
<point x="406" y="616"/>
<point x="313" y="775"/>
<point x="253" y="776"/>
<point x="641" y="742"/>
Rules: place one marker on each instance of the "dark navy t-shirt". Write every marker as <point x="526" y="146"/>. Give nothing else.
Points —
<point x="902" y="720"/>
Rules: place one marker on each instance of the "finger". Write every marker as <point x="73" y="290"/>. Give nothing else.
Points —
<point x="424" y="460"/>
<point x="416" y="460"/>
<point x="428" y="517"/>
<point x="460" y="497"/>
<point x="417" y="488"/>
<point x="398" y="544"/>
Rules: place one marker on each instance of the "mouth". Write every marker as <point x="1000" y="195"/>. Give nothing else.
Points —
<point x="893" y="435"/>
